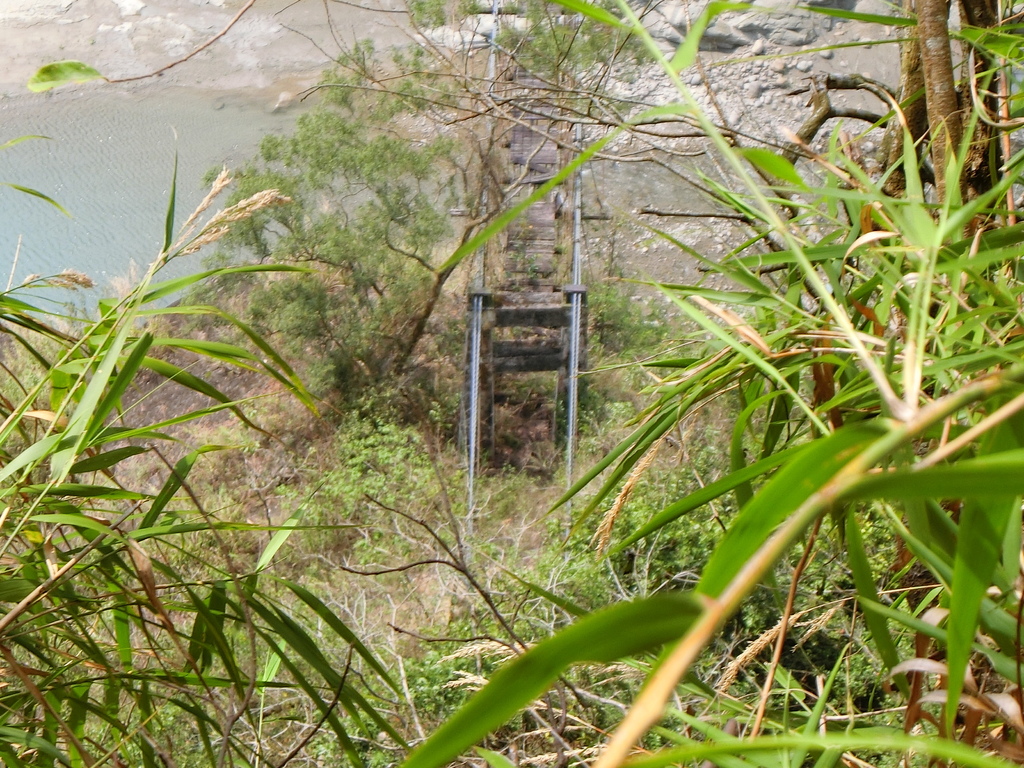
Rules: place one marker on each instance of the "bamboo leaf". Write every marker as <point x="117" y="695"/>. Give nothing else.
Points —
<point x="621" y="630"/>
<point x="193" y="382"/>
<point x="172" y="200"/>
<point x="173" y="484"/>
<point x="861" y="569"/>
<point x="106" y="460"/>
<point x="870" y="18"/>
<point x="595" y="12"/>
<point x="83" y="419"/>
<point x="805" y="474"/>
<point x="774" y="165"/>
<point x="686" y="54"/>
<point x="156" y="291"/>
<point x="330" y="617"/>
<point x="871" y="739"/>
<point x="1000" y="474"/>
<point x="495" y="759"/>
<point x="37" y="193"/>
<point x="982" y="530"/>
<point x="281" y="535"/>
<point x="15" y="590"/>
<point x="507" y="217"/>
<point x="711" y="492"/>
<point x="19" y="139"/>
<point x="125" y="376"/>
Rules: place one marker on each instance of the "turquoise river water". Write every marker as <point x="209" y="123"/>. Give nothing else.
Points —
<point x="109" y="160"/>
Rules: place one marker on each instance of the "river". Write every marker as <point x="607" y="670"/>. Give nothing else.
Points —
<point x="109" y="160"/>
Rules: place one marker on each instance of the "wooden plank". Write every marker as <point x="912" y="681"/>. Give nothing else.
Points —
<point x="528" y="298"/>
<point x="533" y="283"/>
<point x="529" y="363"/>
<point x="528" y="348"/>
<point x="530" y="270"/>
<point x="532" y="317"/>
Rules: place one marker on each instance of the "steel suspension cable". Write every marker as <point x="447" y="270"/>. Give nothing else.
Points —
<point x="575" y="318"/>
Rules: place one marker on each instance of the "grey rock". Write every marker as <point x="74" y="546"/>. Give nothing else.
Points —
<point x="793" y="37"/>
<point x="721" y="36"/>
<point x="129" y="7"/>
<point x="661" y="30"/>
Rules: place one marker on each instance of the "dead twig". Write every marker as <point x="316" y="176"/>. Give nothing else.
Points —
<point x="188" y="56"/>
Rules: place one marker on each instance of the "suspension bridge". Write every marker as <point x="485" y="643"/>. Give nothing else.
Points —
<point x="527" y="314"/>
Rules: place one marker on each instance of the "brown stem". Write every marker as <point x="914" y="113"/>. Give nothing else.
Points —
<point x="780" y="641"/>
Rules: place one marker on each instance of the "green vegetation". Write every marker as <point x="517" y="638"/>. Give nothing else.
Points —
<point x="804" y="549"/>
<point x="369" y="214"/>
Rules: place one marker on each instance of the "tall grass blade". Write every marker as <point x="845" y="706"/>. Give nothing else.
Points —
<point x="616" y="632"/>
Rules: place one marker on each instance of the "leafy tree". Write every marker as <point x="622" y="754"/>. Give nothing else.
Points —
<point x="369" y="216"/>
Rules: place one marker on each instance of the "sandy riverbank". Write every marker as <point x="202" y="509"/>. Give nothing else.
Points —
<point x="277" y="46"/>
<point x="112" y="146"/>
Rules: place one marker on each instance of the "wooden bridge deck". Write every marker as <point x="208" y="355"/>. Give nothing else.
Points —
<point x="525" y="326"/>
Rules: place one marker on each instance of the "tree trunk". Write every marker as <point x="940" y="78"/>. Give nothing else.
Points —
<point x="945" y="123"/>
<point x="911" y="83"/>
<point x="926" y="66"/>
<point x="983" y="156"/>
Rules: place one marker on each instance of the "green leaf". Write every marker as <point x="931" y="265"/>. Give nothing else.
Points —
<point x="75" y="521"/>
<point x="1000" y="474"/>
<point x="566" y="605"/>
<point x="208" y="634"/>
<point x="870" y="18"/>
<point x="83" y="420"/>
<point x="62" y="73"/>
<point x="503" y="220"/>
<point x="622" y="630"/>
<point x="193" y="382"/>
<point x="278" y="539"/>
<point x="83" y="490"/>
<point x="686" y="54"/>
<point x="980" y="535"/>
<point x="173" y="483"/>
<point x="172" y="200"/>
<point x="19" y="139"/>
<point x="119" y="384"/>
<point x="782" y="495"/>
<point x="1002" y="44"/>
<point x="860" y="567"/>
<point x="774" y="165"/>
<point x="169" y="287"/>
<point x="105" y="460"/>
<point x="31" y="741"/>
<point x="711" y="492"/>
<point x="330" y="617"/>
<point x="495" y="759"/>
<point x="595" y="12"/>
<point x="37" y="193"/>
<point x="873" y="740"/>
<point x="15" y="590"/>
